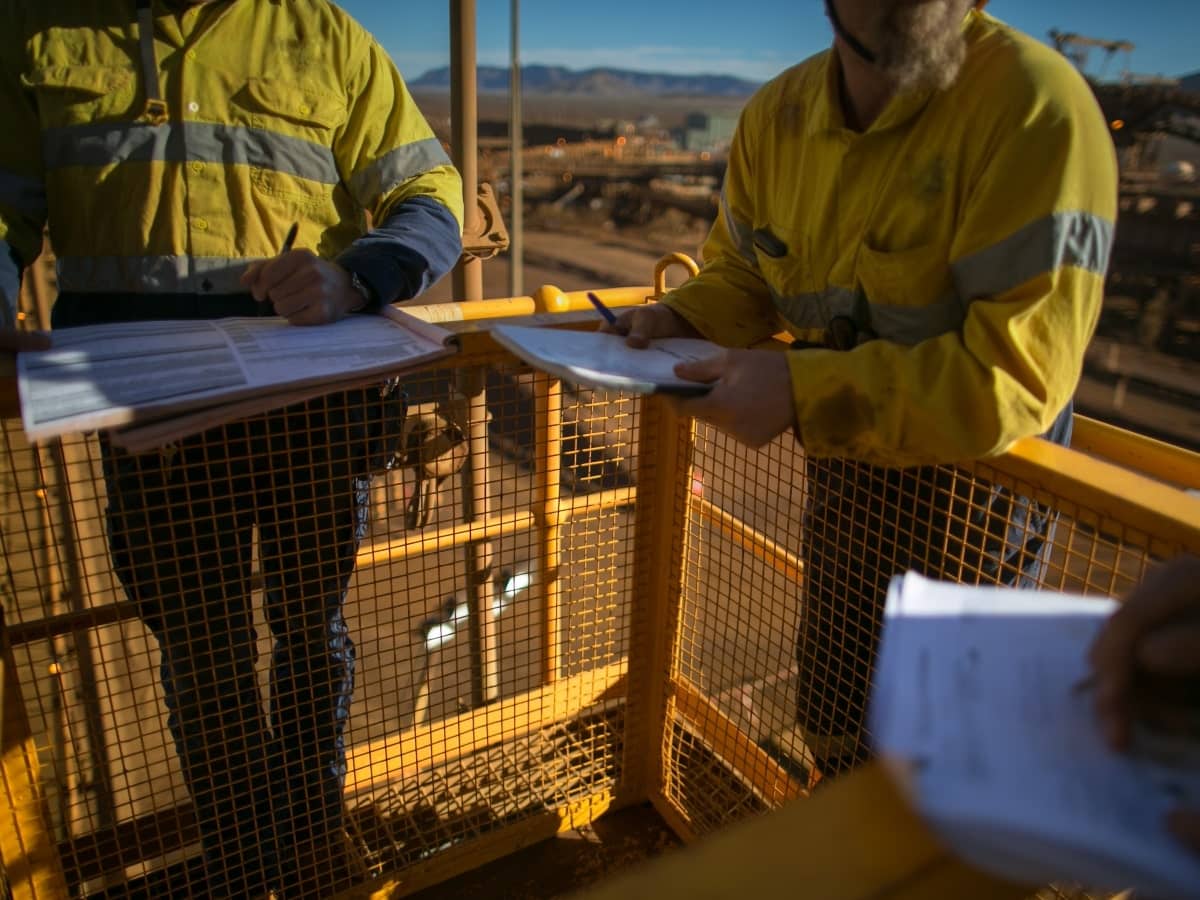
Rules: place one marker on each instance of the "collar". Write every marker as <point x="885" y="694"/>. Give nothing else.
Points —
<point x="826" y="115"/>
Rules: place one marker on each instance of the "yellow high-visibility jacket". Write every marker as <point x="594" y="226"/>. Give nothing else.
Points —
<point x="966" y="231"/>
<point x="279" y="111"/>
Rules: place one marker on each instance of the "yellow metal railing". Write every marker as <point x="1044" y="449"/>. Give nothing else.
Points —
<point x="654" y="659"/>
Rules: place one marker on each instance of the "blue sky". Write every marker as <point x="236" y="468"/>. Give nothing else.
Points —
<point x="752" y="38"/>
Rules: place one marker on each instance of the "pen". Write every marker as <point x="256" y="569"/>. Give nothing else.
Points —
<point x="602" y="309"/>
<point x="290" y="239"/>
<point x="265" y="307"/>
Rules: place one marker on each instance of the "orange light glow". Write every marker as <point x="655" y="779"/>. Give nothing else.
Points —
<point x="1118" y="124"/>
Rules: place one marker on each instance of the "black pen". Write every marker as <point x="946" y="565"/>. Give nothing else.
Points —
<point x="290" y="239"/>
<point x="604" y="310"/>
<point x="265" y="307"/>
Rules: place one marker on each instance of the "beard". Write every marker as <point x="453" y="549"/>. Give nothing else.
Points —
<point x="920" y="45"/>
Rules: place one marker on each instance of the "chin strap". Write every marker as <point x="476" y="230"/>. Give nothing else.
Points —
<point x="850" y="40"/>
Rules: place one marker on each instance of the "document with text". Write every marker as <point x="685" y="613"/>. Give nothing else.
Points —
<point x="980" y="700"/>
<point x="598" y="360"/>
<point x="116" y="375"/>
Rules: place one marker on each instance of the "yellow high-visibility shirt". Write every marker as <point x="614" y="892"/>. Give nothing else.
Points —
<point x="279" y="111"/>
<point x="967" y="231"/>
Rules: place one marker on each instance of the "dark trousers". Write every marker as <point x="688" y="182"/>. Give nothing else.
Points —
<point x="865" y="524"/>
<point x="266" y="785"/>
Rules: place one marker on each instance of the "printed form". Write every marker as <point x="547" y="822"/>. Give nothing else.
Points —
<point x="976" y="697"/>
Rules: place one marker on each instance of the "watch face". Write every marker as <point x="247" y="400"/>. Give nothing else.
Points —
<point x="364" y="291"/>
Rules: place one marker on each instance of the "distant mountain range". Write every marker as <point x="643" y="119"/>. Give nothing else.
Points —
<point x="1190" y="82"/>
<point x="596" y="82"/>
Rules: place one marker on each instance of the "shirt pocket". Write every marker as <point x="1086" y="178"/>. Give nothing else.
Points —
<point x="292" y="135"/>
<point x="782" y="260"/>
<point x="273" y="103"/>
<point x="80" y="95"/>
<point x="910" y="293"/>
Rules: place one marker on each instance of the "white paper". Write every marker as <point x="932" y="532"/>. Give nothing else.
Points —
<point x="102" y="376"/>
<point x="975" y="689"/>
<point x="599" y="360"/>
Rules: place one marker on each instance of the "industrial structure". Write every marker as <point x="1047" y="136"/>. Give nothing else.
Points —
<point x="599" y="613"/>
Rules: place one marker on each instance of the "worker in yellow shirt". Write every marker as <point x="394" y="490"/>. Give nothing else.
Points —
<point x="928" y="209"/>
<point x="171" y="145"/>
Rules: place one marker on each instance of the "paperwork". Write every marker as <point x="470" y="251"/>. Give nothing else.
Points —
<point x="975" y="698"/>
<point x="205" y="372"/>
<point x="599" y="360"/>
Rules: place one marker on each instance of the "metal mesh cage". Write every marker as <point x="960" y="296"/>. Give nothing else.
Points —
<point x="783" y="564"/>
<point x="187" y="626"/>
<point x="556" y="603"/>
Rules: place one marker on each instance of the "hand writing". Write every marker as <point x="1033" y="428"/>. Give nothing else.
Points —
<point x="303" y="288"/>
<point x="642" y="324"/>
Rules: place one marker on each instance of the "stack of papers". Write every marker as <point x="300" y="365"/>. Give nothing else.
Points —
<point x="977" y="700"/>
<point x="604" y="361"/>
<point x="154" y="382"/>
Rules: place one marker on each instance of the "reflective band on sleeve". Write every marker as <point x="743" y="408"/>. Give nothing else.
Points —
<point x="740" y="233"/>
<point x="908" y="325"/>
<point x="27" y="196"/>
<point x="109" y="143"/>
<point x="1076" y="239"/>
<point x="396" y="167"/>
<point x="152" y="274"/>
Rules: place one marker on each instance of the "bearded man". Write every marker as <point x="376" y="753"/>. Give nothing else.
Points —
<point x="928" y="209"/>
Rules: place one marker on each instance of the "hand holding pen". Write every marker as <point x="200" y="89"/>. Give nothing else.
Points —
<point x="642" y="324"/>
<point x="301" y="287"/>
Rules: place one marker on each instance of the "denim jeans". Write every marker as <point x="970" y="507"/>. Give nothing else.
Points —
<point x="863" y="524"/>
<point x="266" y="784"/>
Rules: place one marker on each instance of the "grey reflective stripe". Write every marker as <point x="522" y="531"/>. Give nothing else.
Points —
<point x="107" y="143"/>
<point x="152" y="274"/>
<point x="741" y="233"/>
<point x="907" y="325"/>
<point x="10" y="286"/>
<point x="1078" y="239"/>
<point x="910" y="325"/>
<point x="818" y="310"/>
<point x="26" y="195"/>
<point x="395" y="167"/>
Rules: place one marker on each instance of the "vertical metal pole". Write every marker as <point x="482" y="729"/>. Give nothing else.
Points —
<point x="468" y="285"/>
<point x="665" y="449"/>
<point x="548" y="456"/>
<point x="464" y="144"/>
<point x="516" y="167"/>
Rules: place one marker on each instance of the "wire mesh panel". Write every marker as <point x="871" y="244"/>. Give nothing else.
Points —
<point x="246" y="666"/>
<point x="782" y="575"/>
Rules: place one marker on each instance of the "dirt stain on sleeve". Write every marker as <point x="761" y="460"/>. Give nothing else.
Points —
<point x="843" y="416"/>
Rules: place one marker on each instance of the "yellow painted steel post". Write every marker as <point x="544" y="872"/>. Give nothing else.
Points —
<point x="468" y="285"/>
<point x="27" y="846"/>
<point x="516" y="174"/>
<point x="468" y="276"/>
<point x="548" y="439"/>
<point x="665" y="446"/>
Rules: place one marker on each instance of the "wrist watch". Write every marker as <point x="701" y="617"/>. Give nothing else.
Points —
<point x="369" y="300"/>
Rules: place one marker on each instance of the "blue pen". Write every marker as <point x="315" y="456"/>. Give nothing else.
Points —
<point x="602" y="309"/>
